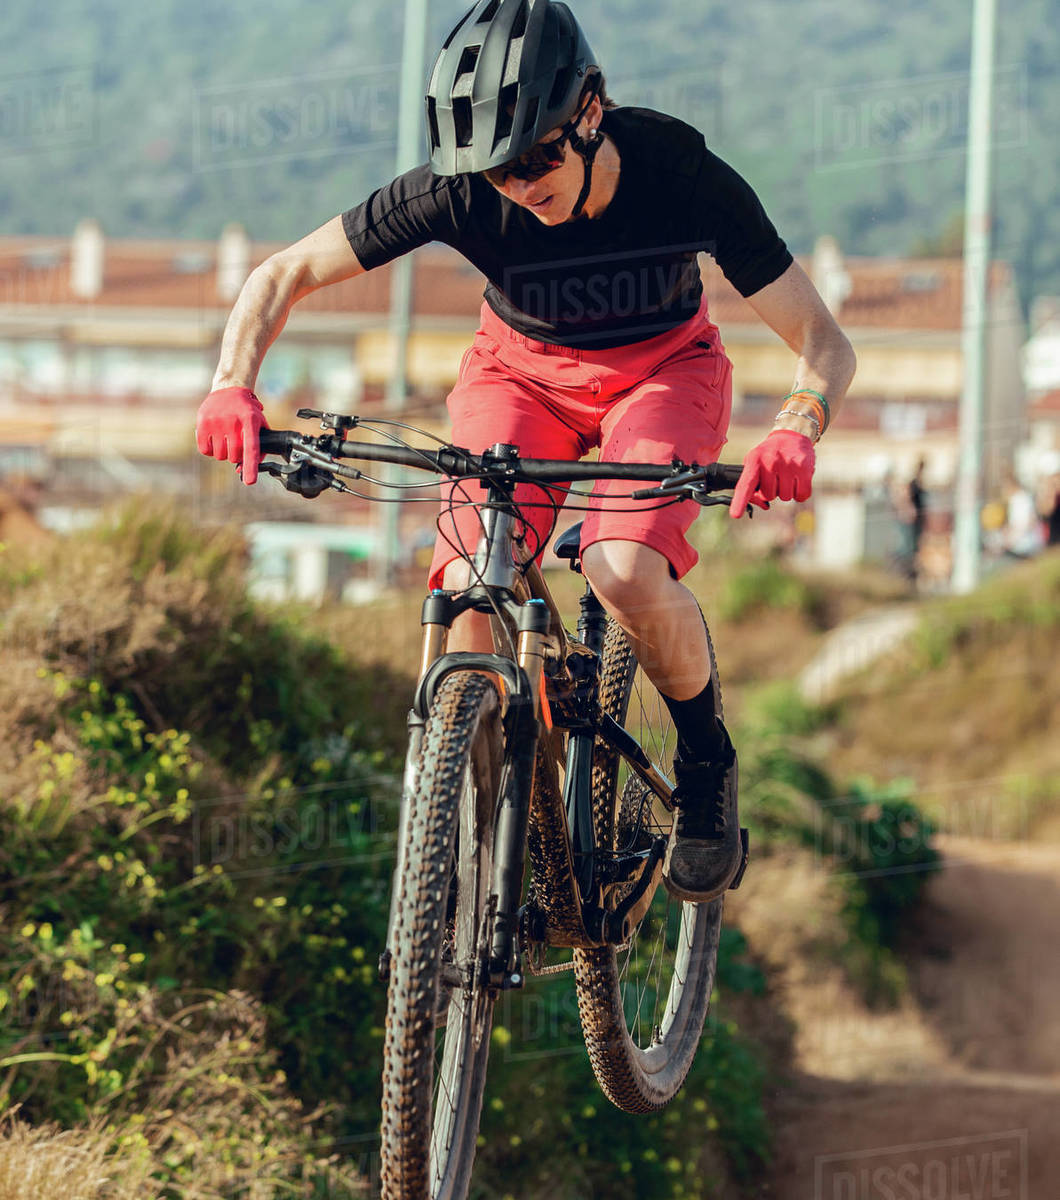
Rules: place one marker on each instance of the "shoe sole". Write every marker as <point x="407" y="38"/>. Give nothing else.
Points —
<point x="732" y="883"/>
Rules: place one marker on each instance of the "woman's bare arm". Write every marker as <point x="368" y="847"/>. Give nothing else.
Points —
<point x="272" y="290"/>
<point x="792" y="307"/>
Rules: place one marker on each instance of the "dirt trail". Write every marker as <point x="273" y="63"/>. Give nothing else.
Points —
<point x="957" y="1096"/>
<point x="855" y="645"/>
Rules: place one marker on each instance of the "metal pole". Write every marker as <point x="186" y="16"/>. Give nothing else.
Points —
<point x="409" y="154"/>
<point x="966" y="532"/>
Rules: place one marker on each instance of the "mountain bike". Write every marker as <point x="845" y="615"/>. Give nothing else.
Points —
<point x="553" y="751"/>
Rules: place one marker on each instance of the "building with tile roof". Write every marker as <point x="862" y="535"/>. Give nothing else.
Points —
<point x="107" y="347"/>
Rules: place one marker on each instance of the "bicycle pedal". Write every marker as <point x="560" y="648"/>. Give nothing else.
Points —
<point x="745" y="848"/>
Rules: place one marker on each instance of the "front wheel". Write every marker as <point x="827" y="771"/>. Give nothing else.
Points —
<point x="439" y="1013"/>
<point x="643" y="1005"/>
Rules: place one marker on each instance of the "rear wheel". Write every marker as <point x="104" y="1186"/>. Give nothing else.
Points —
<point x="643" y="1004"/>
<point x="439" y="1013"/>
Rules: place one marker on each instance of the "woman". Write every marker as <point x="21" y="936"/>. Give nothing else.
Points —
<point x="586" y="220"/>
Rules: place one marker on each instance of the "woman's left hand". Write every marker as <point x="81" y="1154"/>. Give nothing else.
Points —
<point x="780" y="467"/>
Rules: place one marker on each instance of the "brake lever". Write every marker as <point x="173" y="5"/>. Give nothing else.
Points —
<point x="671" y="489"/>
<point x="709" y="499"/>
<point x="301" y="477"/>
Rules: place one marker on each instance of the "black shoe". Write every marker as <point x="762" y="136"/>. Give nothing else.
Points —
<point x="705" y="852"/>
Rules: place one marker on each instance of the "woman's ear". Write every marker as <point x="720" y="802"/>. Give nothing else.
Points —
<point x="594" y="114"/>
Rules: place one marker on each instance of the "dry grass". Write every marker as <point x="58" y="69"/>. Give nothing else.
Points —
<point x="979" y="733"/>
<point x="73" y="1164"/>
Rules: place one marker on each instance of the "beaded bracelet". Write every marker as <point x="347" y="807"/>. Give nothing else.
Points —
<point x="813" y="412"/>
<point x="794" y="412"/>
<point x="825" y="418"/>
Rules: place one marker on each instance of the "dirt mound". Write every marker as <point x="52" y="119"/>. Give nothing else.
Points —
<point x="985" y="971"/>
<point x="956" y="1093"/>
<point x="948" y="1141"/>
<point x="967" y="705"/>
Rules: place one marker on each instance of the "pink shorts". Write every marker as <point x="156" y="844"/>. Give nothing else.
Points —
<point x="667" y="396"/>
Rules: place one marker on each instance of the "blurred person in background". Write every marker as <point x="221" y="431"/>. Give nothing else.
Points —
<point x="586" y="220"/>
<point x="1022" y="534"/>
<point x="1048" y="499"/>
<point x="911" y="508"/>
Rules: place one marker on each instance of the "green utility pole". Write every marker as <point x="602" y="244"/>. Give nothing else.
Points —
<point x="409" y="154"/>
<point x="966" y="532"/>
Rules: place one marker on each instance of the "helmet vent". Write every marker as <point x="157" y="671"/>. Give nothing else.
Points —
<point x="560" y="87"/>
<point x="432" y="122"/>
<point x="506" y="110"/>
<point x="462" y="119"/>
<point x="489" y="12"/>
<point x="519" y="24"/>
<point x="468" y="60"/>
<point x="531" y="115"/>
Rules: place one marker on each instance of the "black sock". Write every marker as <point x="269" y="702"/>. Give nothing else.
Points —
<point x="701" y="737"/>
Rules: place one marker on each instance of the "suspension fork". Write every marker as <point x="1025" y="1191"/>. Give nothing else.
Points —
<point x="435" y="624"/>
<point x="517" y="785"/>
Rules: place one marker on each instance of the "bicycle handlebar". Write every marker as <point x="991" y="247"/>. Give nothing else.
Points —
<point x="501" y="462"/>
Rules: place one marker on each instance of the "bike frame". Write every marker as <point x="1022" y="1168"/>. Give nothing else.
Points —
<point x="525" y="615"/>
<point x="588" y="896"/>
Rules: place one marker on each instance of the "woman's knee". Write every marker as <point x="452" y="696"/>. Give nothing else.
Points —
<point x="625" y="574"/>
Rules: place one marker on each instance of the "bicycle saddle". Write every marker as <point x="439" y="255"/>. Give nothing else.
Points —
<point x="568" y="545"/>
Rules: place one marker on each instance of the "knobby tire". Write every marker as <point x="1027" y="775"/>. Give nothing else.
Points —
<point x="437" y="1030"/>
<point x="643" y="1006"/>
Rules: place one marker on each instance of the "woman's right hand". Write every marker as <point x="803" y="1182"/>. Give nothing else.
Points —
<point x="227" y="428"/>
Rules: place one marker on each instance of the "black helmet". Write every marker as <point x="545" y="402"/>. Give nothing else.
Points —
<point x="509" y="72"/>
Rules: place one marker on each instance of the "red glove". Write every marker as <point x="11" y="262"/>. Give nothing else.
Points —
<point x="781" y="466"/>
<point x="227" y="428"/>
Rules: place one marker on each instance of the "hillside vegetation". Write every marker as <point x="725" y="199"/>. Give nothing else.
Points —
<point x="197" y="803"/>
<point x="197" y="809"/>
<point x="968" y="709"/>
<point x="172" y="119"/>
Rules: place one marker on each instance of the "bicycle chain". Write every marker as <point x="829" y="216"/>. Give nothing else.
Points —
<point x="534" y="968"/>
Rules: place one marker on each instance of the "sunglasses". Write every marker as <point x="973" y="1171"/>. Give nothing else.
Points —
<point x="541" y="159"/>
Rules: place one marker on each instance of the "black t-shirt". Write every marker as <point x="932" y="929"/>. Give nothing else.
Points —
<point x="624" y="276"/>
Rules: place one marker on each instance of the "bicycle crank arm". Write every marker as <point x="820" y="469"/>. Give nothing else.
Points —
<point x="618" y="925"/>
<point x="630" y="749"/>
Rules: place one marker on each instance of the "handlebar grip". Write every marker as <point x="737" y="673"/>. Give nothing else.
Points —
<point x="728" y="473"/>
<point x="274" y="441"/>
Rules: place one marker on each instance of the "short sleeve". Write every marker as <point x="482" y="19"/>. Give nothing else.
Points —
<point x="410" y="211"/>
<point x="737" y="232"/>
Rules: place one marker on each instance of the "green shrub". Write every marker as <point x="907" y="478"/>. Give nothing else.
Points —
<point x="764" y="584"/>
<point x="1028" y="596"/>
<point x="881" y="844"/>
<point x="540" y="1092"/>
<point x="181" y="934"/>
<point x="875" y="839"/>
